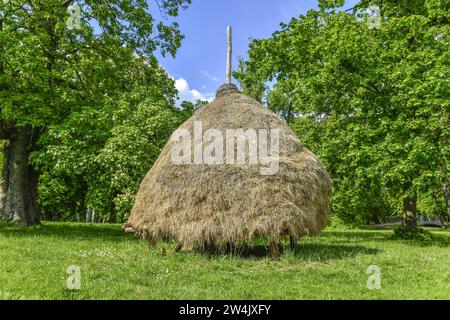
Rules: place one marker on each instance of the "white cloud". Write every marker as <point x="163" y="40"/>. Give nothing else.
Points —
<point x="185" y="93"/>
<point x="208" y="75"/>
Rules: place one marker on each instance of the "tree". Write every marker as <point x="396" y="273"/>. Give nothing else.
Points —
<point x="187" y="108"/>
<point x="280" y="101"/>
<point x="372" y="103"/>
<point x="251" y="86"/>
<point x="97" y="157"/>
<point x="51" y="69"/>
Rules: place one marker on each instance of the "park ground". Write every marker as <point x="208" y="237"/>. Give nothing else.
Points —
<point x="115" y="265"/>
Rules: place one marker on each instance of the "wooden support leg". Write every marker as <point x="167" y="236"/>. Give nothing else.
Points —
<point x="151" y="241"/>
<point x="273" y="249"/>
<point x="208" y="247"/>
<point x="230" y="247"/>
<point x="293" y="242"/>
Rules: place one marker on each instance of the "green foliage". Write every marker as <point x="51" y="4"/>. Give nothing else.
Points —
<point x="97" y="157"/>
<point x="101" y="105"/>
<point x="251" y="85"/>
<point x="188" y="108"/>
<point x="336" y="223"/>
<point x="330" y="4"/>
<point x="417" y="233"/>
<point x="45" y="64"/>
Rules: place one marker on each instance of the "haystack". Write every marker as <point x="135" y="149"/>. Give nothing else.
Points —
<point x="202" y="204"/>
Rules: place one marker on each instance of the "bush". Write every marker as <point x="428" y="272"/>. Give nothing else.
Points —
<point x="336" y="223"/>
<point x="417" y="233"/>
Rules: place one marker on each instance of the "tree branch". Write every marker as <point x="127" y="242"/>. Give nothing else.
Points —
<point x="67" y="3"/>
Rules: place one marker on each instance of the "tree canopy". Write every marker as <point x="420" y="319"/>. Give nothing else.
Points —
<point x="372" y="100"/>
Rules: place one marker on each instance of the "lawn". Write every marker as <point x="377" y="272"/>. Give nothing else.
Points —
<point x="115" y="265"/>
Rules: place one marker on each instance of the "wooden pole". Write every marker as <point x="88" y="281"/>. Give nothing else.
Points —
<point x="273" y="249"/>
<point x="229" y="53"/>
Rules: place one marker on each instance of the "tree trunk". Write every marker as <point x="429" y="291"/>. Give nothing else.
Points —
<point x="375" y="215"/>
<point x="19" y="182"/>
<point x="409" y="210"/>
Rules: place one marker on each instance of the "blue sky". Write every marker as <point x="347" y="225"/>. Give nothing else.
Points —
<point x="199" y="66"/>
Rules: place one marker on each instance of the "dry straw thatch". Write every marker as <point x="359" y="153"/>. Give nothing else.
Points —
<point x="200" y="204"/>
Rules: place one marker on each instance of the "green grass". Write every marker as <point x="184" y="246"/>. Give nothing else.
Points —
<point x="115" y="265"/>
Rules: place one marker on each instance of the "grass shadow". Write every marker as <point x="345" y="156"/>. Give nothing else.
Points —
<point x="370" y="235"/>
<point x="67" y="231"/>
<point x="315" y="252"/>
<point x="325" y="252"/>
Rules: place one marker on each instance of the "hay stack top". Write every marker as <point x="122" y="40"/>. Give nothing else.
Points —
<point x="222" y="203"/>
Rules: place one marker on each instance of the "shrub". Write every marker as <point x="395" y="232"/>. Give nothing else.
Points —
<point x="417" y="233"/>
